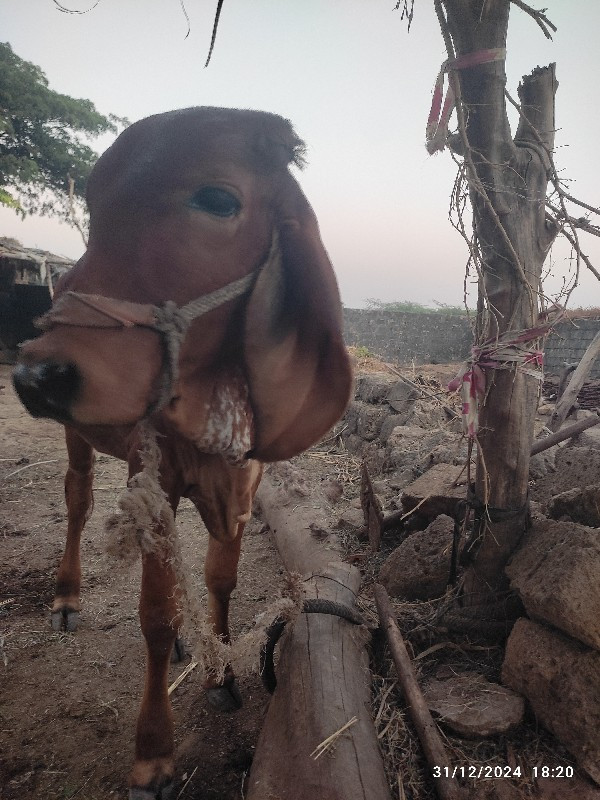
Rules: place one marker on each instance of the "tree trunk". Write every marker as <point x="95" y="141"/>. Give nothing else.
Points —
<point x="507" y="182"/>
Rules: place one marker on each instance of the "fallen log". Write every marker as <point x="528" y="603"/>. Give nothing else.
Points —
<point x="318" y="739"/>
<point x="440" y="769"/>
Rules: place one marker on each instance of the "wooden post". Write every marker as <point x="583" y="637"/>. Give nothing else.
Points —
<point x="323" y="678"/>
<point x="507" y="179"/>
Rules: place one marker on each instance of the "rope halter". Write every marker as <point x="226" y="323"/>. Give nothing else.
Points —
<point x="170" y="321"/>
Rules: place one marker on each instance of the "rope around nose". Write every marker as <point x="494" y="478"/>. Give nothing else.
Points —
<point x="172" y="322"/>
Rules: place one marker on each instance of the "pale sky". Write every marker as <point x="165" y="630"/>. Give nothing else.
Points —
<point x="357" y="88"/>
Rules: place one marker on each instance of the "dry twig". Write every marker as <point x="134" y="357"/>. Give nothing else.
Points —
<point x="328" y="743"/>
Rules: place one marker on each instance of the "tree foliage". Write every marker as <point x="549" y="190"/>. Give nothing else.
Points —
<point x="410" y="307"/>
<point x="42" y="139"/>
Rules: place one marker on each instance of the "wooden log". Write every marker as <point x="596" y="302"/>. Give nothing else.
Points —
<point x="565" y="433"/>
<point x="323" y="677"/>
<point x="447" y="787"/>
<point x="569" y="396"/>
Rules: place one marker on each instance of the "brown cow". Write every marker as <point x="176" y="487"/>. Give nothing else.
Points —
<point x="206" y="304"/>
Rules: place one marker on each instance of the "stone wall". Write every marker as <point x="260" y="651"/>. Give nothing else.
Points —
<point x="568" y="343"/>
<point x="402" y="337"/>
<point x="444" y="338"/>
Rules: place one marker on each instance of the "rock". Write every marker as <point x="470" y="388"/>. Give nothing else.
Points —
<point x="472" y="707"/>
<point x="419" y="568"/>
<point x="561" y="680"/>
<point x="402" y="478"/>
<point x="575" y="467"/>
<point x="401" y="397"/>
<point x="351" y="518"/>
<point x="545" y="409"/>
<point x="374" y="455"/>
<point x="353" y="442"/>
<point x="556" y="571"/>
<point x="412" y="446"/>
<point x="452" y="451"/>
<point x="391" y="422"/>
<point x="380" y="487"/>
<point x="542" y="463"/>
<point x="333" y="490"/>
<point x="351" y="418"/>
<point x="443" y="488"/>
<point x="580" y="505"/>
<point x="427" y="414"/>
<point x="590" y="438"/>
<point x="398" y="480"/>
<point x="369" y="422"/>
<point x="374" y="387"/>
<point x="403" y="447"/>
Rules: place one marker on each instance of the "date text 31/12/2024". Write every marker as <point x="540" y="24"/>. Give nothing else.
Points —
<point x="483" y="772"/>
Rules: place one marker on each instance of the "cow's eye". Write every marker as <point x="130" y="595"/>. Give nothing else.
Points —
<point x="215" y="201"/>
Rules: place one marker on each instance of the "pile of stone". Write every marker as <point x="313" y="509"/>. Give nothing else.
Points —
<point x="553" y="654"/>
<point x="400" y="429"/>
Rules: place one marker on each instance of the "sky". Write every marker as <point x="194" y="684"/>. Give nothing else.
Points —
<point x="357" y="87"/>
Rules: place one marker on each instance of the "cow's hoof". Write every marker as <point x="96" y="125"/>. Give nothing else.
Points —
<point x="65" y="619"/>
<point x="166" y="792"/>
<point x="225" y="698"/>
<point x="178" y="652"/>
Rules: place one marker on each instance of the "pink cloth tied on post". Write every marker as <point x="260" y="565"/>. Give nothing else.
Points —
<point x="502" y="353"/>
<point x="439" y="116"/>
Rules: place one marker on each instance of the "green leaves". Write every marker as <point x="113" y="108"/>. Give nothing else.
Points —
<point x="43" y="139"/>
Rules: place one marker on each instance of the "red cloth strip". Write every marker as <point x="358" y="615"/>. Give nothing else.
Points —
<point x="437" y="122"/>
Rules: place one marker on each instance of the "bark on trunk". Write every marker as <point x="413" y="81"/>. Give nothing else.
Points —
<point x="508" y="180"/>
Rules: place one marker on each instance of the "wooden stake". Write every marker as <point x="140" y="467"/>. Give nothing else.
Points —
<point x="569" y="396"/>
<point x="447" y="787"/>
<point x="565" y="433"/>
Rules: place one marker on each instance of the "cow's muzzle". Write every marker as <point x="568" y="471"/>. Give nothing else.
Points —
<point x="47" y="389"/>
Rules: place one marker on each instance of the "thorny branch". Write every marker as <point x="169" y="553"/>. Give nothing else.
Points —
<point x="406" y="13"/>
<point x="539" y="15"/>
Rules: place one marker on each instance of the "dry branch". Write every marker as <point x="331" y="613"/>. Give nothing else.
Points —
<point x="566" y="433"/>
<point x="447" y="787"/>
<point x="539" y="16"/>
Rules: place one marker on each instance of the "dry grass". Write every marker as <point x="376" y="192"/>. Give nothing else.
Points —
<point x="436" y="655"/>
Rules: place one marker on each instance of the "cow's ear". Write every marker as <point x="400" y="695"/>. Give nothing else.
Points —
<point x="297" y="365"/>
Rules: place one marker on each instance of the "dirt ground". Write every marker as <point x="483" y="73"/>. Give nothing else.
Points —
<point x="68" y="703"/>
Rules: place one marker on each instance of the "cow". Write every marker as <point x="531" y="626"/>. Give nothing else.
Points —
<point x="205" y="306"/>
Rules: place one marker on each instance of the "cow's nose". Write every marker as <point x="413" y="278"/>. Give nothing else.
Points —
<point x="47" y="389"/>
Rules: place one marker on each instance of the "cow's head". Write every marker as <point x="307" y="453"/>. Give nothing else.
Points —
<point x="181" y="205"/>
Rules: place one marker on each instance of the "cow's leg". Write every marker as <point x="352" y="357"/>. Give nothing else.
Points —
<point x="79" y="499"/>
<point x="152" y="772"/>
<point x="220" y="573"/>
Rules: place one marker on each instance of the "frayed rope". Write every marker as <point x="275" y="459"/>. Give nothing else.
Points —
<point x="144" y="524"/>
